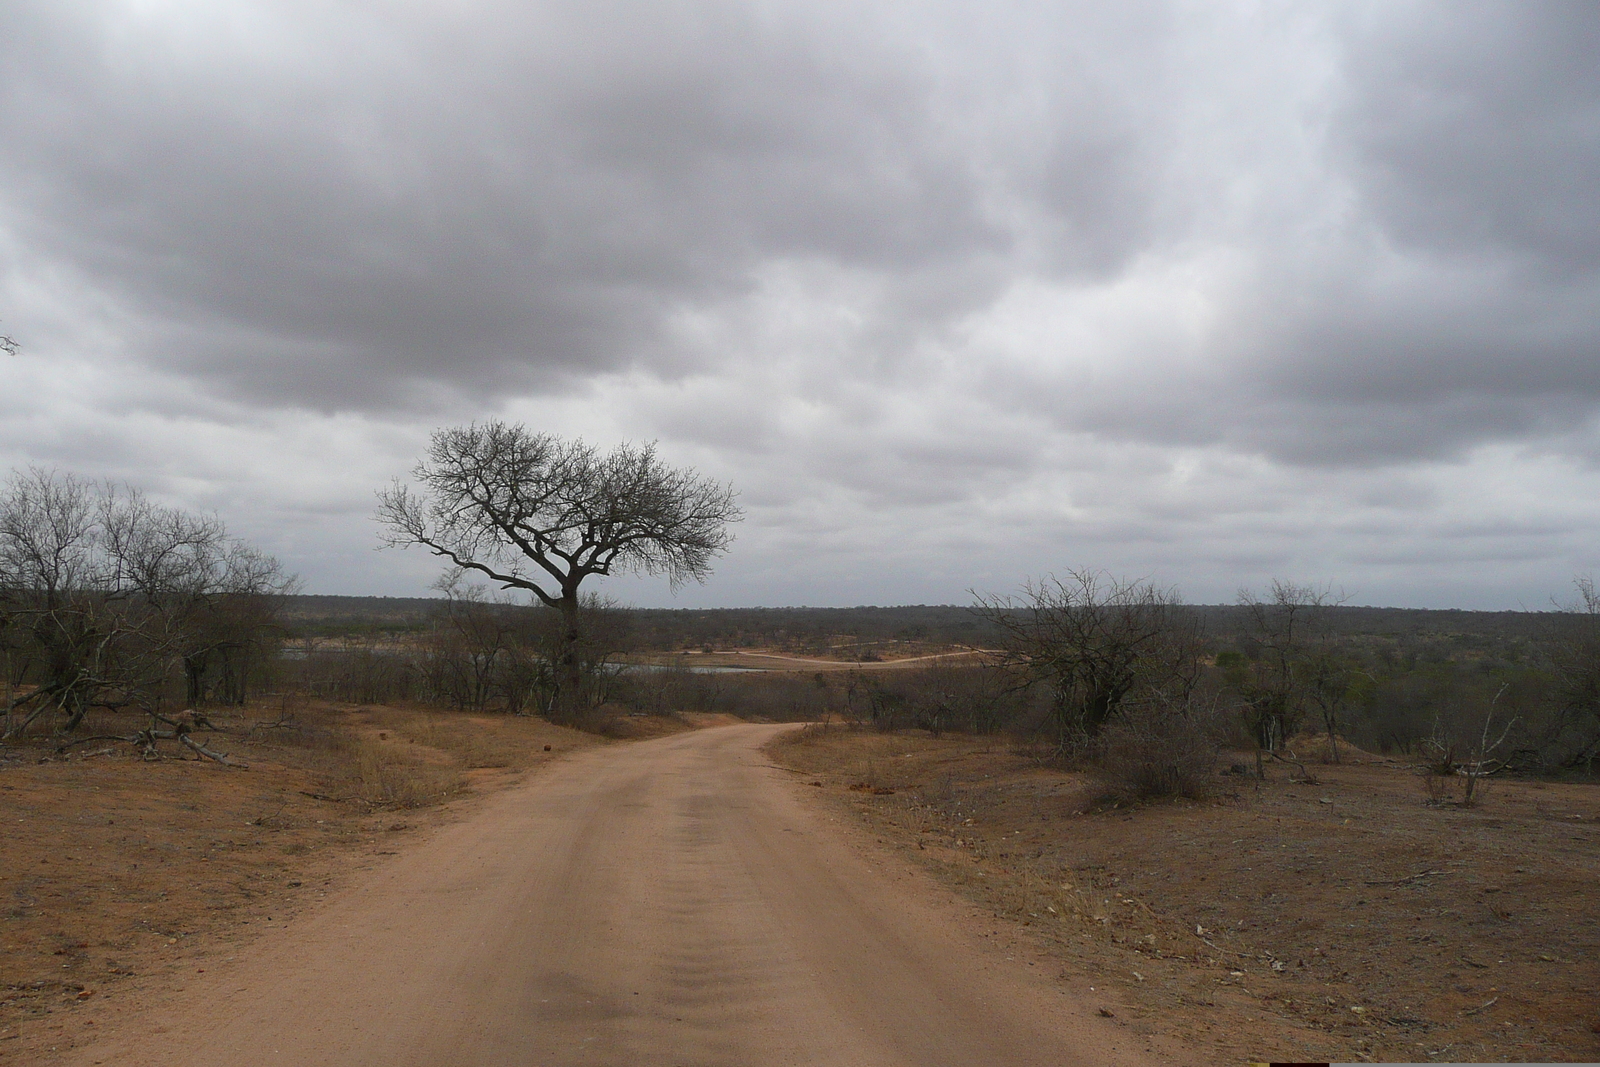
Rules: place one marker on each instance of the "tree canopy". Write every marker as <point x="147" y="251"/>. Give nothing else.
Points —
<point x="539" y="513"/>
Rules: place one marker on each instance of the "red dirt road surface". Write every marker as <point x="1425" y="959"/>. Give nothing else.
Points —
<point x="670" y="902"/>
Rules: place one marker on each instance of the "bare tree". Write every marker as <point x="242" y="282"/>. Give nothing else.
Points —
<point x="533" y="512"/>
<point x="103" y="595"/>
<point x="1482" y="760"/>
<point x="1329" y="675"/>
<point x="1096" y="641"/>
<point x="219" y="594"/>
<point x="1458" y="747"/>
<point x="230" y="625"/>
<point x="1294" y="668"/>
<point x="469" y="652"/>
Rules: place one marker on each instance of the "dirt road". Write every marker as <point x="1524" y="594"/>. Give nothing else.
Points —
<point x="677" y="901"/>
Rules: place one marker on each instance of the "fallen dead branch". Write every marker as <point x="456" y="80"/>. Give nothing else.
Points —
<point x="330" y="799"/>
<point x="178" y="731"/>
<point x="1407" y="881"/>
<point x="282" y="722"/>
<point x="1305" y="776"/>
<point x="220" y="757"/>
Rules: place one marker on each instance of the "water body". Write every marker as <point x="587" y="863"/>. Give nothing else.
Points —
<point x="652" y="668"/>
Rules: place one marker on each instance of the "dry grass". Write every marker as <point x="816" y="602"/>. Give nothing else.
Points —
<point x="385" y="777"/>
<point x="1282" y="920"/>
<point x="116" y="870"/>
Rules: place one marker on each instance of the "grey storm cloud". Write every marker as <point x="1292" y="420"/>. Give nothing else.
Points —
<point x="321" y="208"/>
<point x="320" y="205"/>
<point x="1474" y="127"/>
<point x="875" y="260"/>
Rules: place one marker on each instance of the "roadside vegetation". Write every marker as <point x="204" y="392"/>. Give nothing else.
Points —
<point x="1263" y="829"/>
<point x="1336" y="917"/>
<point x="110" y="603"/>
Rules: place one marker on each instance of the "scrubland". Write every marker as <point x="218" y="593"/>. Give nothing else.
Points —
<point x="1190" y="862"/>
<point x="1343" y="914"/>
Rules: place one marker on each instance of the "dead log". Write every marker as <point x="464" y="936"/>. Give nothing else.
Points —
<point x="220" y="757"/>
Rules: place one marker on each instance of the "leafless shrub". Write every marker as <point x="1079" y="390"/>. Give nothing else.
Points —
<point x="962" y="697"/>
<point x="356" y="674"/>
<point x="770" y="696"/>
<point x="1435" y="785"/>
<point x="959" y="696"/>
<point x="1458" y="748"/>
<point x="1095" y="643"/>
<point x="668" y="688"/>
<point x="1156" y="748"/>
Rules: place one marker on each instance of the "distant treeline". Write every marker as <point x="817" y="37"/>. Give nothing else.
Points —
<point x="1436" y="683"/>
<point x="860" y="629"/>
<point x="845" y="631"/>
<point x="332" y="616"/>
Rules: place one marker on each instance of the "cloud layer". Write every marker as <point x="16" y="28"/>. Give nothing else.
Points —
<point x="954" y="296"/>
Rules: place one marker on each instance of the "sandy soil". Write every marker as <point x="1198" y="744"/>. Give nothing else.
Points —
<point x="120" y="876"/>
<point x="674" y="901"/>
<point x="1344" y="919"/>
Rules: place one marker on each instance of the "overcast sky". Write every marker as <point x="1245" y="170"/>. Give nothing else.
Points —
<point x="954" y="294"/>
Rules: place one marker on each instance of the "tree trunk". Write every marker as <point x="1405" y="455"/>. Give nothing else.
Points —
<point x="194" y="676"/>
<point x="569" y="668"/>
<point x="76" y="707"/>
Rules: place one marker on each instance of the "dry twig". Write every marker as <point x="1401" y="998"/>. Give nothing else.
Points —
<point x="1407" y="881"/>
